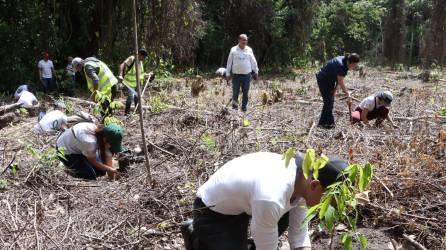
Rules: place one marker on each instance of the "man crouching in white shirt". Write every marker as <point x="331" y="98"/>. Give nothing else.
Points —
<point x="241" y="63"/>
<point x="259" y="187"/>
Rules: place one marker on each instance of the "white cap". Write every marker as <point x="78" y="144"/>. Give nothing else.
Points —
<point x="75" y="62"/>
<point x="386" y="96"/>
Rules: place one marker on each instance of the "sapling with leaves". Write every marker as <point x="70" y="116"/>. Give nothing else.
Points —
<point x="339" y="203"/>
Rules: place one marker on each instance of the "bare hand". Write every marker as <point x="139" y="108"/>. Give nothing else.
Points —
<point x="228" y="78"/>
<point x="256" y="76"/>
<point x="113" y="174"/>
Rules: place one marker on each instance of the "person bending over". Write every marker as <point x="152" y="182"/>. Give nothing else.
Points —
<point x="257" y="187"/>
<point x="89" y="149"/>
<point x="374" y="107"/>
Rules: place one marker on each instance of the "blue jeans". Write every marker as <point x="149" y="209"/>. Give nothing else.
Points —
<point x="47" y="84"/>
<point x="132" y="96"/>
<point x="81" y="167"/>
<point x="240" y="81"/>
<point x="326" y="88"/>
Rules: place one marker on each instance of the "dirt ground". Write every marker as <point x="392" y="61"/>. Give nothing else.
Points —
<point x="41" y="207"/>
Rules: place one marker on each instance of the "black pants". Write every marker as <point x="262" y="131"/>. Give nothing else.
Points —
<point x="326" y="88"/>
<point x="81" y="167"/>
<point x="243" y="82"/>
<point x="217" y="231"/>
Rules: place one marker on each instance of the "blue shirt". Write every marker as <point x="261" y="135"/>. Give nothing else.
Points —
<point x="334" y="68"/>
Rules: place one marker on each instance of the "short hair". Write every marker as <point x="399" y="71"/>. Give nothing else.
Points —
<point x="352" y="58"/>
<point x="242" y="36"/>
<point x="328" y="174"/>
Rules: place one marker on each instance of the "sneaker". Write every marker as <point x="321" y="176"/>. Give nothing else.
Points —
<point x="187" y="230"/>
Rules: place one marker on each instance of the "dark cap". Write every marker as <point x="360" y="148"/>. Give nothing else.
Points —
<point x="328" y="174"/>
<point x="113" y="134"/>
<point x="143" y="52"/>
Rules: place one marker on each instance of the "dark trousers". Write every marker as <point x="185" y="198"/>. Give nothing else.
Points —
<point x="217" y="231"/>
<point x="240" y="82"/>
<point x="106" y="110"/>
<point x="326" y="88"/>
<point x="132" y="96"/>
<point x="47" y="84"/>
<point x="380" y="113"/>
<point x="80" y="167"/>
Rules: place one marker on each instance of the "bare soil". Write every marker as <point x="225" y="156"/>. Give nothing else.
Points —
<point x="41" y="207"/>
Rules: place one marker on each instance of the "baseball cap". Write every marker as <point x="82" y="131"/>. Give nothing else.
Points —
<point x="328" y="174"/>
<point x="113" y="134"/>
<point x="143" y="52"/>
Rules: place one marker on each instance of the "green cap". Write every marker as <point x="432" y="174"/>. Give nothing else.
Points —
<point x="113" y="134"/>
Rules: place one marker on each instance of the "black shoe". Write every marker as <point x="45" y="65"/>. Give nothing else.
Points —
<point x="251" y="245"/>
<point x="244" y="110"/>
<point x="187" y="230"/>
<point x="326" y="126"/>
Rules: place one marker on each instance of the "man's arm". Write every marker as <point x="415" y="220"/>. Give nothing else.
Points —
<point x="264" y="228"/>
<point x="298" y="235"/>
<point x="90" y="72"/>
<point x="39" y="66"/>
<point x="340" y="81"/>
<point x="52" y="70"/>
<point x="389" y="118"/>
<point x="254" y="65"/>
<point x="229" y="65"/>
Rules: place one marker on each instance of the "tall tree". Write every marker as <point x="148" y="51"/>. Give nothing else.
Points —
<point x="435" y="50"/>
<point x="394" y="31"/>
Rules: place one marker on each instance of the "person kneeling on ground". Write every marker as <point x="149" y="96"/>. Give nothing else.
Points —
<point x="260" y="187"/>
<point x="27" y="100"/>
<point x="54" y="120"/>
<point x="374" y="107"/>
<point x="89" y="149"/>
<point x="24" y="87"/>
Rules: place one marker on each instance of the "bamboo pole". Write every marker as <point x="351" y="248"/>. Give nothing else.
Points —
<point x="138" y="82"/>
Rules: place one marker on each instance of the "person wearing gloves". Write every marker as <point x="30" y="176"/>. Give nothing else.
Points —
<point x="374" y="107"/>
<point x="241" y="64"/>
<point x="127" y="74"/>
<point x="329" y="79"/>
<point x="89" y="149"/>
<point x="257" y="187"/>
<point x="54" y="120"/>
<point x="99" y="78"/>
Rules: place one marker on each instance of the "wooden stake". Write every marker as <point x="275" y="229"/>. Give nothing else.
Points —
<point x="138" y="82"/>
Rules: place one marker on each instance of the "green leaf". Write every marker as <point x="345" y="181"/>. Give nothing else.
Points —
<point x="13" y="169"/>
<point x="330" y="218"/>
<point x="367" y="175"/>
<point x="362" y="180"/>
<point x="308" y="162"/>
<point x="288" y="155"/>
<point x="352" y="172"/>
<point x="363" y="241"/>
<point x="246" y="123"/>
<point x="324" y="206"/>
<point x="347" y="241"/>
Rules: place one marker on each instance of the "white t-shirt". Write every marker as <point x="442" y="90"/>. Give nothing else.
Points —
<point x="79" y="139"/>
<point x="241" y="61"/>
<point x="369" y="103"/>
<point x="46" y="68"/>
<point x="51" y="121"/>
<point x="20" y="90"/>
<point x="259" y="185"/>
<point x="27" y="99"/>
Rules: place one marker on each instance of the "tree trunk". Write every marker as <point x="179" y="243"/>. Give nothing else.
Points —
<point x="435" y="50"/>
<point x="394" y="32"/>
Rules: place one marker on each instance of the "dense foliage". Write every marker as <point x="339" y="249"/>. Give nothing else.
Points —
<point x="199" y="33"/>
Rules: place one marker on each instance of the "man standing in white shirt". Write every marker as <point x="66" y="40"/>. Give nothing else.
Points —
<point x="46" y="72"/>
<point x="241" y="64"/>
<point x="259" y="187"/>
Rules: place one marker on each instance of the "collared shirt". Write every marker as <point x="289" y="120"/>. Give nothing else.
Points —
<point x="259" y="185"/>
<point x="241" y="61"/>
<point x="334" y="68"/>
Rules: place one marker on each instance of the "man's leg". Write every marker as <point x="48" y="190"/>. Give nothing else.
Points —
<point x="45" y="85"/>
<point x="130" y="98"/>
<point x="216" y="231"/>
<point x="245" y="90"/>
<point x="80" y="166"/>
<point x="327" y="119"/>
<point x="235" y="91"/>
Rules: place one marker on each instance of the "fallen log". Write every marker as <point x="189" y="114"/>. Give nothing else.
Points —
<point x="8" y="108"/>
<point x="5" y="120"/>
